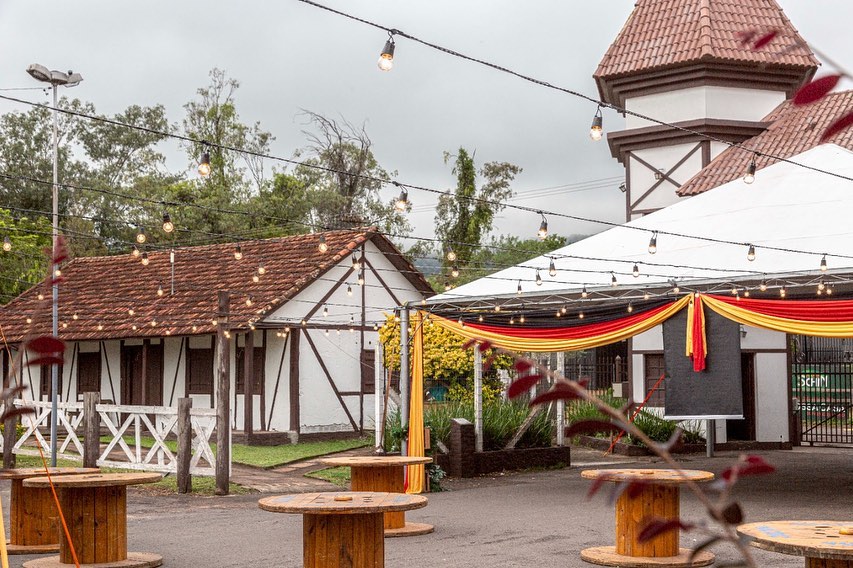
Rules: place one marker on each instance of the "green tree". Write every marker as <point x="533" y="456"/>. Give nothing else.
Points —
<point x="26" y="263"/>
<point x="508" y="250"/>
<point x="465" y="215"/>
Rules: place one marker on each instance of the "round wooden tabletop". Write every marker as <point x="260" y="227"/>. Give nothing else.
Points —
<point x="27" y="472"/>
<point x="814" y="539"/>
<point x="375" y="461"/>
<point x="656" y="476"/>
<point x="342" y="503"/>
<point x="95" y="480"/>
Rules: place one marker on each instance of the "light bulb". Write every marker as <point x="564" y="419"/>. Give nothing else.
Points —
<point x="40" y="296"/>
<point x="100" y="327"/>
<point x="630" y="307"/>
<point x="249" y="300"/>
<point x="596" y="130"/>
<point x="349" y="290"/>
<point x="454" y="272"/>
<point x="521" y="319"/>
<point x="563" y="310"/>
<point x="135" y="251"/>
<point x="451" y="256"/>
<point x="542" y="233"/>
<point x="653" y="243"/>
<point x="538" y="279"/>
<point x="144" y="259"/>
<point x="447" y="286"/>
<point x="750" y="173"/>
<point x="519" y="292"/>
<point x="327" y="333"/>
<point x="613" y="282"/>
<point x="403" y="201"/>
<point x="734" y="290"/>
<point x="256" y="278"/>
<point x="823" y="264"/>
<point x="75" y="316"/>
<point x="57" y="273"/>
<point x="646" y="296"/>
<point x="552" y="269"/>
<point x="321" y="244"/>
<point x="829" y="290"/>
<point x="29" y="319"/>
<point x="325" y="311"/>
<point x="782" y="292"/>
<point x="262" y="269"/>
<point x="512" y="320"/>
<point x="204" y="165"/>
<point x="763" y="286"/>
<point x="153" y="323"/>
<point x="140" y="235"/>
<point x="580" y="315"/>
<point x="361" y="278"/>
<point x="497" y="309"/>
<point x="386" y="58"/>
<point x="238" y="253"/>
<point x="160" y="291"/>
<point x="130" y="311"/>
<point x="584" y="293"/>
<point x="636" y="271"/>
<point x="750" y="255"/>
<point x="168" y="226"/>
<point x="134" y="327"/>
<point x="7" y="244"/>
<point x="355" y="264"/>
<point x="480" y="318"/>
<point x="820" y="285"/>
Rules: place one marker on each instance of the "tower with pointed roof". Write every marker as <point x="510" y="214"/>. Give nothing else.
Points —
<point x="685" y="62"/>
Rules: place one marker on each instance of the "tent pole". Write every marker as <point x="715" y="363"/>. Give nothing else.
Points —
<point x="478" y="400"/>
<point x="561" y="404"/>
<point x="404" y="378"/>
<point x="710" y="437"/>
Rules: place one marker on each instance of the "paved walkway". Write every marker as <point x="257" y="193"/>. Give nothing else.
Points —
<point x="291" y="478"/>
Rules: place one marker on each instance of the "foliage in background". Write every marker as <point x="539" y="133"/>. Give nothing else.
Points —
<point x="26" y="263"/>
<point x="464" y="392"/>
<point x="445" y="361"/>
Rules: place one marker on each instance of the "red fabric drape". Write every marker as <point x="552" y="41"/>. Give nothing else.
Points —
<point x="698" y="332"/>
<point x="805" y="310"/>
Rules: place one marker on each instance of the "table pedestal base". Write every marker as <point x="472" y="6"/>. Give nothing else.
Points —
<point x="828" y="563"/>
<point x="607" y="556"/>
<point x="343" y="541"/>
<point x="133" y="560"/>
<point x="31" y="548"/>
<point x="409" y="529"/>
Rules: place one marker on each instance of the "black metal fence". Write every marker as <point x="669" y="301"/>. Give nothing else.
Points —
<point x="822" y="388"/>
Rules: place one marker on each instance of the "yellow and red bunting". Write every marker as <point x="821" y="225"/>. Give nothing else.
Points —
<point x="829" y="318"/>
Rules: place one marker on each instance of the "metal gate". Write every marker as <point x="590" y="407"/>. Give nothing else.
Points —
<point x="822" y="387"/>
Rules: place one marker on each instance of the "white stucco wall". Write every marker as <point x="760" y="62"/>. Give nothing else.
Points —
<point x="730" y="103"/>
<point x="642" y="178"/>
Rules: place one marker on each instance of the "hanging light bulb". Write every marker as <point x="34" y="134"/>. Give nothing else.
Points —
<point x="734" y="290"/>
<point x="214" y="322"/>
<point x="819" y="292"/>
<point x="375" y="326"/>
<point x="134" y="252"/>
<point x="630" y="307"/>
<point x="821" y="285"/>
<point x="144" y="259"/>
<point x="653" y="243"/>
<point x="563" y="310"/>
<point x="7" y="244"/>
<point x="402" y="202"/>
<point x="750" y="255"/>
<point x="512" y="320"/>
<point x="327" y="333"/>
<point x="596" y="130"/>
<point x="829" y="290"/>
<point x="238" y="252"/>
<point x="195" y="328"/>
<point x="580" y="315"/>
<point x="521" y="319"/>
<point x="460" y="322"/>
<point x="304" y="323"/>
<point x="746" y="292"/>
<point x="750" y="173"/>
<point x="321" y="243"/>
<point x="349" y="290"/>
<point x="636" y="271"/>
<point x="40" y="296"/>
<point x="763" y="285"/>
<point x="325" y="311"/>
<point x="542" y="233"/>
<point x="100" y="326"/>
<point x="782" y="292"/>
<point x="451" y="256"/>
<point x="558" y="313"/>
<point x="29" y="319"/>
<point x="140" y="235"/>
<point x="256" y="278"/>
<point x="552" y="269"/>
<point x="497" y="308"/>
<point x="646" y="295"/>
<point x="57" y="273"/>
<point x="160" y="290"/>
<point x="75" y="317"/>
<point x="261" y="268"/>
<point x="538" y="278"/>
<point x="480" y="318"/>
<point x="134" y="327"/>
<point x="355" y="263"/>
<point x="823" y="264"/>
<point x="454" y="272"/>
<point x="584" y="293"/>
<point x="168" y="226"/>
<point x="447" y="286"/>
<point x="361" y="277"/>
<point x="130" y="311"/>
<point x="386" y="58"/>
<point x="249" y="300"/>
<point x="613" y="282"/>
<point x="519" y="292"/>
<point x="204" y="163"/>
<point x="153" y="323"/>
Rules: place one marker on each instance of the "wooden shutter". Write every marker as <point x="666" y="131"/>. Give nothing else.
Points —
<point x="259" y="360"/>
<point x="199" y="371"/>
<point x="368" y="371"/>
<point x="88" y="372"/>
<point x="45" y="380"/>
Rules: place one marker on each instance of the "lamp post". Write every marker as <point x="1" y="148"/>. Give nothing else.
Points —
<point x="70" y="79"/>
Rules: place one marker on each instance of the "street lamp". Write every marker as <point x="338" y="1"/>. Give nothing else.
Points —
<point x="70" y="79"/>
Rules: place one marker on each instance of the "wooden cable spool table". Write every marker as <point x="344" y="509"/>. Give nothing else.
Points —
<point x="824" y="544"/>
<point x="658" y="498"/>
<point x="95" y="510"/>
<point x="343" y="530"/>
<point x="384" y="474"/>
<point x="32" y="511"/>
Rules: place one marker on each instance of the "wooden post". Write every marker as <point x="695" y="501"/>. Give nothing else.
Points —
<point x="92" y="440"/>
<point x="478" y="400"/>
<point x="223" y="410"/>
<point x="561" y="404"/>
<point x="10" y="429"/>
<point x="248" y="384"/>
<point x="185" y="448"/>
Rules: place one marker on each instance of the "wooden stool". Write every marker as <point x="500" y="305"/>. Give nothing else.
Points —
<point x="383" y="474"/>
<point x="95" y="509"/>
<point x="660" y="498"/>
<point x="32" y="511"/>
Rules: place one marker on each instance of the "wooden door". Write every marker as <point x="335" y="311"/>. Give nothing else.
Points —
<point x="744" y="430"/>
<point x="131" y="374"/>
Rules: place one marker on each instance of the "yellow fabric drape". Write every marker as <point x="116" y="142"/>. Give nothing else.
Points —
<point x="801" y="327"/>
<point x="688" y="345"/>
<point x="553" y="345"/>
<point x="415" y="473"/>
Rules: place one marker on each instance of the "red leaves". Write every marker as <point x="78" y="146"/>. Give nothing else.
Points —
<point x="46" y="360"/>
<point x="560" y="391"/>
<point x="748" y="465"/>
<point x="816" y="90"/>
<point x="522" y="385"/>
<point x="764" y="40"/>
<point x="592" y="427"/>
<point x="837" y="126"/>
<point x="522" y="365"/>
<point x="46" y="344"/>
<point x="746" y="37"/>
<point x="481" y="344"/>
<point x="657" y="526"/>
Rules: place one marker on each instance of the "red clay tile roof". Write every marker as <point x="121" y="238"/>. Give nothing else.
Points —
<point x="793" y="129"/>
<point x="665" y="33"/>
<point x="102" y="290"/>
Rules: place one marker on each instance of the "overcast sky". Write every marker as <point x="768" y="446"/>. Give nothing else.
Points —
<point x="289" y="55"/>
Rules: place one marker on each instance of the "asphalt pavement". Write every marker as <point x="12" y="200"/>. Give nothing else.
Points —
<point x="540" y="518"/>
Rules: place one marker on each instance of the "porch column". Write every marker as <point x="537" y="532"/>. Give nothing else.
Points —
<point x="248" y="384"/>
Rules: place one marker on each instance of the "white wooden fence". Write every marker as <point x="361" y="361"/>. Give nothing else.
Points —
<point x="137" y="438"/>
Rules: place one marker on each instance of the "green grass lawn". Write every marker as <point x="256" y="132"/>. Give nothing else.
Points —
<point x="272" y="456"/>
<point x="340" y="476"/>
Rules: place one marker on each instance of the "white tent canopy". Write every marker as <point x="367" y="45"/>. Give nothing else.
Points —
<point x="804" y="212"/>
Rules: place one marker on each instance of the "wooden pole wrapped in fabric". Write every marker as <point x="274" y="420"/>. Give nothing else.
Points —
<point x="223" y="411"/>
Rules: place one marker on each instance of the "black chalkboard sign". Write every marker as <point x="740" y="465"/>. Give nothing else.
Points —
<point x="713" y="393"/>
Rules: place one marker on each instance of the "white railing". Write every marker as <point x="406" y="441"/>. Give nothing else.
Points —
<point x="138" y="435"/>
